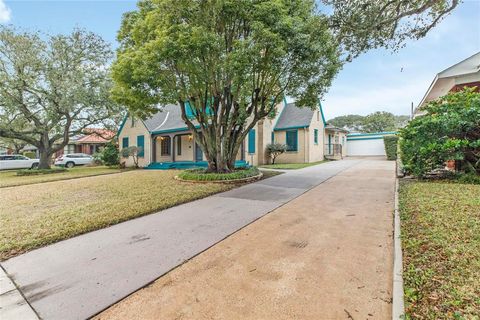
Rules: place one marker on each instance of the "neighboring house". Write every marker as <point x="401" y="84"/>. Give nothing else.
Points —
<point x="463" y="74"/>
<point x="90" y="142"/>
<point x="166" y="141"/>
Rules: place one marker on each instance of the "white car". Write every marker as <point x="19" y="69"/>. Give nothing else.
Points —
<point x="17" y="161"/>
<point x="73" y="159"/>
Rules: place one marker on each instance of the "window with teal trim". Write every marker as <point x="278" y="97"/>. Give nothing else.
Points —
<point x="125" y="142"/>
<point x="292" y="140"/>
<point x="251" y="141"/>
<point x="141" y="146"/>
<point x="315" y="136"/>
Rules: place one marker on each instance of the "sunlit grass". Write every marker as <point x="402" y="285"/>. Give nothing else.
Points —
<point x="441" y="245"/>
<point x="35" y="215"/>
<point x="9" y="178"/>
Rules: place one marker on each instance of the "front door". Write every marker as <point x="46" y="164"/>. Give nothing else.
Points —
<point x="198" y="153"/>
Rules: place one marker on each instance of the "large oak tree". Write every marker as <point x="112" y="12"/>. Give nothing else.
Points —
<point x="232" y="61"/>
<point x="52" y="87"/>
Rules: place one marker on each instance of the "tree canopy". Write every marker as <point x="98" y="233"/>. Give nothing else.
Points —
<point x="450" y="130"/>
<point x="379" y="121"/>
<point x="53" y="87"/>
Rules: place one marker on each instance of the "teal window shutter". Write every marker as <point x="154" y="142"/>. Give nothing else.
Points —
<point x="315" y="136"/>
<point x="125" y="142"/>
<point x="273" y="137"/>
<point x="141" y="145"/>
<point x="292" y="140"/>
<point x="189" y="110"/>
<point x="251" y="141"/>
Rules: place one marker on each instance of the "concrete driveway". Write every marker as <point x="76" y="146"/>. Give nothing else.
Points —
<point x="79" y="277"/>
<point x="325" y="255"/>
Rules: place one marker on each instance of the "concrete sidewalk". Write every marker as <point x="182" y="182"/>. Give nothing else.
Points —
<point x="325" y="255"/>
<point x="79" y="277"/>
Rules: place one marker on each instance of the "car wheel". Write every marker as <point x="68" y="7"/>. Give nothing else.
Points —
<point x="34" y="166"/>
<point x="70" y="164"/>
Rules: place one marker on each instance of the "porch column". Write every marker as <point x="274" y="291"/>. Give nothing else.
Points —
<point x="154" y="149"/>
<point x="172" y="149"/>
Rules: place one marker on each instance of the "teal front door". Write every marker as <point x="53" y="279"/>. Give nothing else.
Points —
<point x="198" y="153"/>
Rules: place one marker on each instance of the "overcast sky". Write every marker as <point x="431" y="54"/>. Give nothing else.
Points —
<point x="378" y="80"/>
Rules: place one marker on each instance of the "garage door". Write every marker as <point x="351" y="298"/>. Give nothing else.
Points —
<point x="366" y="144"/>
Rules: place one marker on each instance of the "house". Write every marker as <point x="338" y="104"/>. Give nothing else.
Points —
<point x="89" y="142"/>
<point x="466" y="73"/>
<point x="166" y="142"/>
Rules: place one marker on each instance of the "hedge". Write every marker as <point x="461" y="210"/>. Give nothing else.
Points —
<point x="391" y="143"/>
<point x="34" y="172"/>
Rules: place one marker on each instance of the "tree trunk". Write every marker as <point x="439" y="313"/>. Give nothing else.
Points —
<point x="45" y="158"/>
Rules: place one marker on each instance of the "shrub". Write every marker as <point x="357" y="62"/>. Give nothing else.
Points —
<point x="34" y="172"/>
<point x="110" y="155"/>
<point x="390" y="143"/>
<point x="202" y="175"/>
<point x="468" y="178"/>
<point x="30" y="154"/>
<point x="275" y="149"/>
<point x="133" y="152"/>
<point x="448" y="131"/>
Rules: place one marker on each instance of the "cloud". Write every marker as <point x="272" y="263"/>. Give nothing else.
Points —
<point x="5" y="12"/>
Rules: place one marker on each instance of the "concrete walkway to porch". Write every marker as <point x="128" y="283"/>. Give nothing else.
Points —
<point x="79" y="277"/>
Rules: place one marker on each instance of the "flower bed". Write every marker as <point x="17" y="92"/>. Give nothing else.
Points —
<point x="200" y="175"/>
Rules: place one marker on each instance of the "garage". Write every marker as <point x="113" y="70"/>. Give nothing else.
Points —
<point x="366" y="144"/>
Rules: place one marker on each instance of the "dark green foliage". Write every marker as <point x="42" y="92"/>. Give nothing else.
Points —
<point x="110" y="155"/>
<point x="450" y="130"/>
<point x="391" y="143"/>
<point x="352" y="122"/>
<point x="275" y="149"/>
<point x="30" y="154"/>
<point x="203" y="175"/>
<point x="379" y="121"/>
<point x="468" y="178"/>
<point x="35" y="172"/>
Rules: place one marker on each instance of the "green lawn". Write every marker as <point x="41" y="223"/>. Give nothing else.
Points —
<point x="9" y="178"/>
<point x="34" y="215"/>
<point x="291" y="166"/>
<point x="441" y="247"/>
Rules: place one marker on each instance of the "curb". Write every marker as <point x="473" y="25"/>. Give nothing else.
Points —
<point x="398" y="306"/>
<point x="249" y="179"/>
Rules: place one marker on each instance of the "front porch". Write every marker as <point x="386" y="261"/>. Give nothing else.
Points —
<point x="178" y="150"/>
<point x="188" y="165"/>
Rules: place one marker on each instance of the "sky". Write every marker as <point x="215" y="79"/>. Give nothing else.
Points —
<point x="380" y="80"/>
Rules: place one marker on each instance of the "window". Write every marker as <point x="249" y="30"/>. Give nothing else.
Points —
<point x="251" y="141"/>
<point x="141" y="145"/>
<point x="179" y="145"/>
<point x="292" y="137"/>
<point x="165" y="146"/>
<point x="273" y="137"/>
<point x="125" y="142"/>
<point x="315" y="136"/>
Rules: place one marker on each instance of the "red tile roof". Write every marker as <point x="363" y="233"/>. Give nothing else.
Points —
<point x="93" y="135"/>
